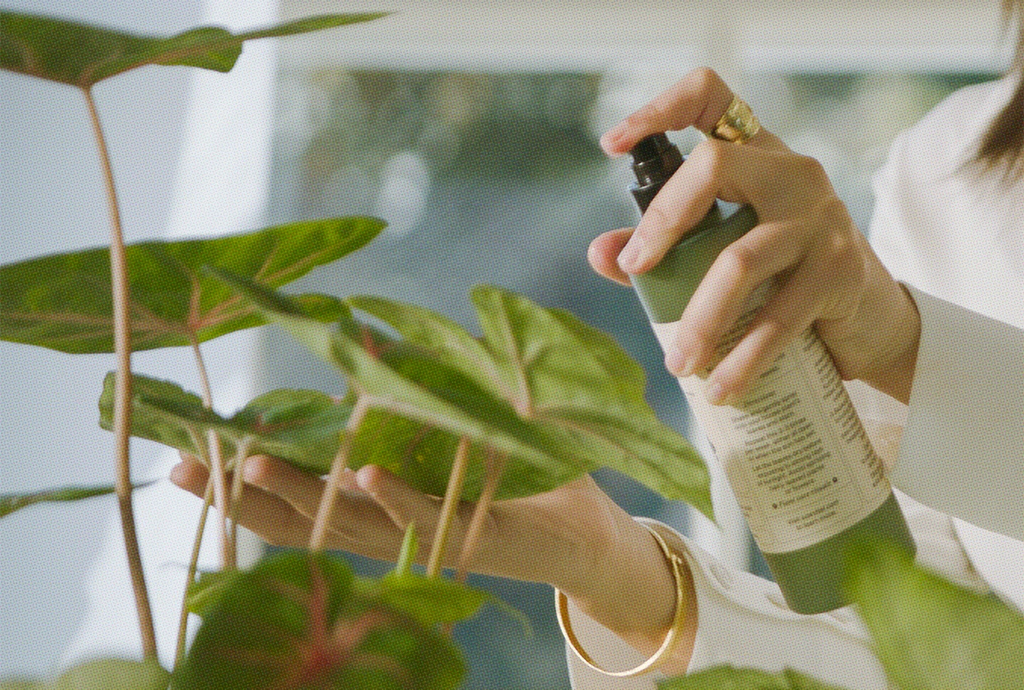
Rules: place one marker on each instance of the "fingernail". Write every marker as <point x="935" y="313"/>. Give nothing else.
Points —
<point x="679" y="364"/>
<point x="611" y="137"/>
<point x="633" y="255"/>
<point x="365" y="480"/>
<point x="716" y="394"/>
<point x="250" y="472"/>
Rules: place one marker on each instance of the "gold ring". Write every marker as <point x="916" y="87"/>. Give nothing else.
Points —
<point x="738" y="124"/>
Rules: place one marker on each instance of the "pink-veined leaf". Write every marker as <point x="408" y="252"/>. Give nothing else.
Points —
<point x="82" y="55"/>
<point x="297" y="620"/>
<point x="63" y="301"/>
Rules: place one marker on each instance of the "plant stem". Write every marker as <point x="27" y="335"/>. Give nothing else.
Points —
<point x="221" y="500"/>
<point x="204" y="379"/>
<point x="228" y="550"/>
<point x="338" y="467"/>
<point x="193" y="563"/>
<point x="123" y="390"/>
<point x="492" y="479"/>
<point x="237" y="485"/>
<point x="452" y="496"/>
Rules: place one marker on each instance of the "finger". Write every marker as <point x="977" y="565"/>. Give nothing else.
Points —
<point x="725" y="291"/>
<point x="715" y="169"/>
<point x="190" y="475"/>
<point x="604" y="251"/>
<point x="269" y="516"/>
<point x="699" y="100"/>
<point x="300" y="489"/>
<point x="790" y="312"/>
<point x="358" y="523"/>
<point x="403" y="504"/>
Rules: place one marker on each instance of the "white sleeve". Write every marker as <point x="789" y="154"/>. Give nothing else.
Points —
<point x="963" y="446"/>
<point x="744" y="621"/>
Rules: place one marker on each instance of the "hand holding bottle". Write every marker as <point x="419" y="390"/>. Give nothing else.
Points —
<point x="828" y="274"/>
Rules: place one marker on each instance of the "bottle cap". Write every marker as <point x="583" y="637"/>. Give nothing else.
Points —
<point x="655" y="159"/>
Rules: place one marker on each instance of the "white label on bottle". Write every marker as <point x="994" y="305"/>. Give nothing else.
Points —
<point x="794" y="450"/>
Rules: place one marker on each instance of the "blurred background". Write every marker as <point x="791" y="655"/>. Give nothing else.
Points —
<point x="472" y="129"/>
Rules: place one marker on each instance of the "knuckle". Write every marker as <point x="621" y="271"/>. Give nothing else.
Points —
<point x="709" y="157"/>
<point x="739" y="260"/>
<point x="808" y="169"/>
<point x="705" y="80"/>
<point x="656" y="111"/>
<point x="696" y="339"/>
<point x="656" y="219"/>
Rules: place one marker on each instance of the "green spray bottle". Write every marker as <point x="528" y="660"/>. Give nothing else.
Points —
<point x="793" y="449"/>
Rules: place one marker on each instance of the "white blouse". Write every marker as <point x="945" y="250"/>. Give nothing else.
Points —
<point x="956" y="239"/>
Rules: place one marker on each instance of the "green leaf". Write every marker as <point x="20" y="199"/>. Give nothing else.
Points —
<point x="930" y="633"/>
<point x="203" y="595"/>
<point x="300" y="426"/>
<point x="453" y="345"/>
<point x="730" y="678"/>
<point x="552" y="394"/>
<point x="81" y="55"/>
<point x="297" y="620"/>
<point x="64" y="302"/>
<point x="405" y="382"/>
<point x="12" y="502"/>
<point x="430" y="600"/>
<point x="570" y="381"/>
<point x="407" y="554"/>
<point x="101" y="674"/>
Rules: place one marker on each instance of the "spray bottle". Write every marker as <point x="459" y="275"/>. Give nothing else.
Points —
<point x="793" y="449"/>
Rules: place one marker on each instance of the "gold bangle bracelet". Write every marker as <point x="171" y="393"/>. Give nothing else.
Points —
<point x="562" y="612"/>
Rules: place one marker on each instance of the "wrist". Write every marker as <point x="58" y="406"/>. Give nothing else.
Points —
<point x="633" y="591"/>
<point x="668" y="648"/>
<point x="894" y="373"/>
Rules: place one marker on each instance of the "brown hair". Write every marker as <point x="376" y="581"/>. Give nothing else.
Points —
<point x="1003" y="144"/>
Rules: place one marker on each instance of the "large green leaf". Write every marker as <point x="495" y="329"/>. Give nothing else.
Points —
<point x="553" y="395"/>
<point x="569" y="380"/>
<point x="298" y="621"/>
<point x="81" y="55"/>
<point x="730" y="678"/>
<point x="64" y="301"/>
<point x="300" y="426"/>
<point x="931" y="634"/>
<point x="428" y="600"/>
<point x="101" y="674"/>
<point x="407" y="382"/>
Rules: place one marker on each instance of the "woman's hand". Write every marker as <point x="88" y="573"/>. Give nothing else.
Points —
<point x="828" y="275"/>
<point x="574" y="537"/>
<point x="535" y="538"/>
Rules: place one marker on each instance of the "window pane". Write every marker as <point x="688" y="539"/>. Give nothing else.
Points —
<point x="498" y="178"/>
<point x="483" y="178"/>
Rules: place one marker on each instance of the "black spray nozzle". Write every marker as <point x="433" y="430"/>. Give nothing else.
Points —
<point x="655" y="159"/>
